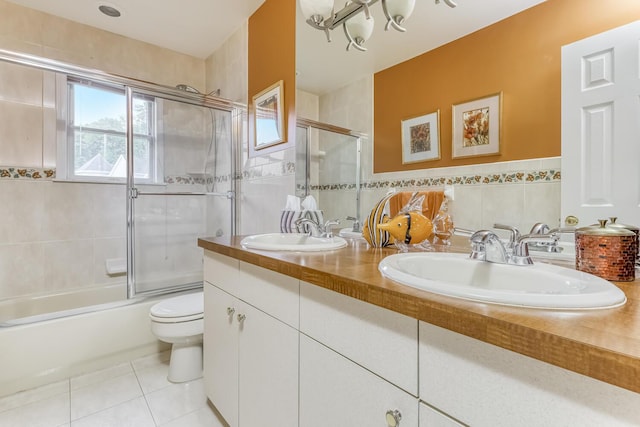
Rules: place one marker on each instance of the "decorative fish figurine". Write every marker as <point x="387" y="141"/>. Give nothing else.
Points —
<point x="378" y="215"/>
<point x="411" y="227"/>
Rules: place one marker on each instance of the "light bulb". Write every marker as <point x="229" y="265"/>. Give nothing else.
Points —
<point x="358" y="30"/>
<point x="402" y="8"/>
<point x="396" y="12"/>
<point x="311" y="8"/>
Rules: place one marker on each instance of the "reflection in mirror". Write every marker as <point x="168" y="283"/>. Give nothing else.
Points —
<point x="328" y="168"/>
<point x="268" y="116"/>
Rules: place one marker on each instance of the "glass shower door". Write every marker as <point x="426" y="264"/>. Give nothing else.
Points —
<point x="181" y="190"/>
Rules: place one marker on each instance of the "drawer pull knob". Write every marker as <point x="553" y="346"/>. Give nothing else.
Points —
<point x="230" y="311"/>
<point x="393" y="418"/>
<point x="241" y="318"/>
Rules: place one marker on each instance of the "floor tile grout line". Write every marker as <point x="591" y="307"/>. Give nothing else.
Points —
<point x="144" y="395"/>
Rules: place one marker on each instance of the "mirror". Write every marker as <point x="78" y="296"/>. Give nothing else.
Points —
<point x="323" y="67"/>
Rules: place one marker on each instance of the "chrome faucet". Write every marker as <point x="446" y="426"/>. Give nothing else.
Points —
<point x="548" y="245"/>
<point x="317" y="229"/>
<point x="486" y="246"/>
<point x="356" y="224"/>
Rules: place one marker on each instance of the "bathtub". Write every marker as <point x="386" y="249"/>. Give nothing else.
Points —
<point x="44" y="340"/>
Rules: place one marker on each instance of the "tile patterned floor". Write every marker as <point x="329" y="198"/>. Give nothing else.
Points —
<point x="135" y="394"/>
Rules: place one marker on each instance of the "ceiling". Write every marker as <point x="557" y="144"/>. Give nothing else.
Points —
<point x="199" y="27"/>
<point x="193" y="27"/>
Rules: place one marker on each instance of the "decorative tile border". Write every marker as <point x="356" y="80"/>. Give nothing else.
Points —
<point x="189" y="179"/>
<point x="545" y="175"/>
<point x="533" y="176"/>
<point x="47" y="174"/>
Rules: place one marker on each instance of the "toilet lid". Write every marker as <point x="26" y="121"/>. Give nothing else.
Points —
<point x="182" y="306"/>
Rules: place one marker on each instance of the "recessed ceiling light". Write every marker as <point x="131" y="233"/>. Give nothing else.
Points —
<point x="109" y="10"/>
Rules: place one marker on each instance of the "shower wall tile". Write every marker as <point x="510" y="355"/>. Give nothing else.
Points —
<point x="22" y="269"/>
<point x="68" y="264"/>
<point x="22" y="210"/>
<point x="21" y="84"/>
<point x="109" y="209"/>
<point x="20" y="135"/>
<point x="69" y="208"/>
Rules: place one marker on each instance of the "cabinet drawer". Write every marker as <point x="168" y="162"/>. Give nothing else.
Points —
<point x="222" y="271"/>
<point x="483" y="385"/>
<point x="271" y="292"/>
<point x="381" y="340"/>
<point x="336" y="392"/>
<point x="429" y="417"/>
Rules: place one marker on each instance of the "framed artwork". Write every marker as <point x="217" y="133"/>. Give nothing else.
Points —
<point x="268" y="117"/>
<point x="421" y="138"/>
<point x="476" y="127"/>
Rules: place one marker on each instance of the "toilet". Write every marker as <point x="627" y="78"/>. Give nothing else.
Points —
<point x="179" y="321"/>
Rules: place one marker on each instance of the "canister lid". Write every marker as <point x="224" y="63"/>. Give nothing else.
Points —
<point x="602" y="229"/>
<point x="614" y="224"/>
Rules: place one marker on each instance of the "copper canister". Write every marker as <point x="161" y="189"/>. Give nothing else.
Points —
<point x="606" y="252"/>
<point x="636" y="230"/>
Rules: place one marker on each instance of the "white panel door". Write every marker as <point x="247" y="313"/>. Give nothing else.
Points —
<point x="601" y="127"/>
<point x="220" y="358"/>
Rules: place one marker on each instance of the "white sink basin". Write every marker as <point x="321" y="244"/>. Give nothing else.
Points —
<point x="540" y="285"/>
<point x="292" y="242"/>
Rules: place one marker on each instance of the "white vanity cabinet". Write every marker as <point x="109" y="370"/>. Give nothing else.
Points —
<point x="358" y="362"/>
<point x="250" y="356"/>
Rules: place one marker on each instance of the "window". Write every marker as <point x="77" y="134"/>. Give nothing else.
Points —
<point x="96" y="137"/>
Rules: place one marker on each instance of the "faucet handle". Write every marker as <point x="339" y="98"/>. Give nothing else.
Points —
<point x="331" y="222"/>
<point x="515" y="233"/>
<point x="325" y="230"/>
<point x="539" y="228"/>
<point x="356" y="223"/>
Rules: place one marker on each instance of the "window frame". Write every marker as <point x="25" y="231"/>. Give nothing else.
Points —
<point x="66" y="130"/>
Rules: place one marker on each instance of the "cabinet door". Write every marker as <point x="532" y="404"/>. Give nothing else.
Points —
<point x="268" y="370"/>
<point x="221" y="352"/>
<point x="337" y="392"/>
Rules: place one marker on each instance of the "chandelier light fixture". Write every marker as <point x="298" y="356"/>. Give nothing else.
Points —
<point x="355" y="17"/>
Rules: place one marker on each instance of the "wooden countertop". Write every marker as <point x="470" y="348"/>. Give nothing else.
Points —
<point x="602" y="344"/>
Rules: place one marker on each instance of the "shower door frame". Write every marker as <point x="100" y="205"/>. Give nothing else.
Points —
<point x="133" y="193"/>
<point x="139" y="86"/>
<point x="309" y="124"/>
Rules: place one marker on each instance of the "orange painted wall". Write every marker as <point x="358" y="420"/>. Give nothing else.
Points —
<point x="272" y="57"/>
<point x="519" y="56"/>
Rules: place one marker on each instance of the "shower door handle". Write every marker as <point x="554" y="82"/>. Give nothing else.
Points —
<point x="228" y="194"/>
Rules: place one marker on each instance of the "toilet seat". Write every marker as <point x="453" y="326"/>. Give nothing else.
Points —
<point x="184" y="308"/>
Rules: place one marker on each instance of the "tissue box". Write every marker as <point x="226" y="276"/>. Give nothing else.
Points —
<point x="288" y="220"/>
